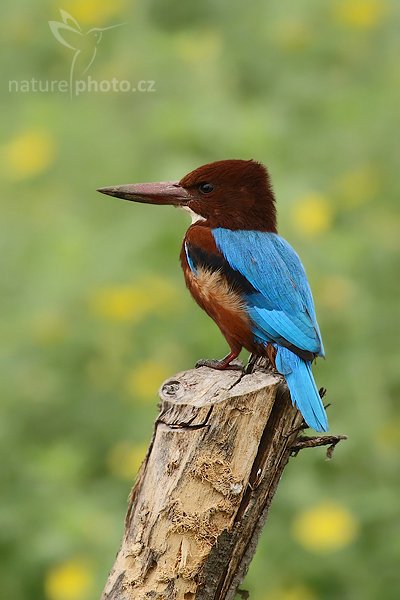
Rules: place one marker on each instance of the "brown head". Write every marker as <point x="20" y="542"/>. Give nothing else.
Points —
<point x="235" y="194"/>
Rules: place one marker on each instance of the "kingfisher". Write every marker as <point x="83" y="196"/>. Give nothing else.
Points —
<point x="242" y="273"/>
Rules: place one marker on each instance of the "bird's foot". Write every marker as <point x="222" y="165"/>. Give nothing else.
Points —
<point x="222" y="365"/>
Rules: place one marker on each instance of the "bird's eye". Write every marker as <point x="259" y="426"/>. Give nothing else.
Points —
<point x="206" y="188"/>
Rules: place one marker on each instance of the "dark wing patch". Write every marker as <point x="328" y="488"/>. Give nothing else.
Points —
<point x="214" y="262"/>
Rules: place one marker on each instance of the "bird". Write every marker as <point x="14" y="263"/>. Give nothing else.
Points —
<point x="84" y="43"/>
<point x="242" y="273"/>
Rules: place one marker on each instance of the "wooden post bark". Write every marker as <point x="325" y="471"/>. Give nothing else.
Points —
<point x="201" y="498"/>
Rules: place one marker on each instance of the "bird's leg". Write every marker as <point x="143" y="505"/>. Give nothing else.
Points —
<point x="222" y="364"/>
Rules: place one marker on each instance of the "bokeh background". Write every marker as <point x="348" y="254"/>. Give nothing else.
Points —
<point x="94" y="313"/>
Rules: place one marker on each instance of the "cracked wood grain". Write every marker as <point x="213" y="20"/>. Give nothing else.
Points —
<point x="220" y="444"/>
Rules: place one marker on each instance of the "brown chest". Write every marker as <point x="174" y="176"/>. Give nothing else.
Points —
<point x="213" y="293"/>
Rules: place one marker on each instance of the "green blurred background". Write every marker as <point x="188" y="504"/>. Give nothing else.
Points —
<point x="94" y="313"/>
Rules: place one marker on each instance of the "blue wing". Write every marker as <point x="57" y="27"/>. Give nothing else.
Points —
<point x="281" y="306"/>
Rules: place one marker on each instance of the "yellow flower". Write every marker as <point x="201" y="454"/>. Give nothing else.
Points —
<point x="124" y="459"/>
<point x="120" y="303"/>
<point x="133" y="302"/>
<point x="93" y="12"/>
<point x="325" y="527"/>
<point x="145" y="379"/>
<point x="70" y="580"/>
<point x="312" y="214"/>
<point x="294" y="592"/>
<point x="358" y="186"/>
<point x="28" y="154"/>
<point x="362" y="14"/>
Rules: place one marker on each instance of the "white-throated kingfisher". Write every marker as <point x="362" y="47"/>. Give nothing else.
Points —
<point x="246" y="277"/>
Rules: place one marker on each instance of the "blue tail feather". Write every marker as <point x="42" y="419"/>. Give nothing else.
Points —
<point x="303" y="391"/>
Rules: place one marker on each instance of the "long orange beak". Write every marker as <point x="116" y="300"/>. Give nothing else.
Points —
<point x="165" y="192"/>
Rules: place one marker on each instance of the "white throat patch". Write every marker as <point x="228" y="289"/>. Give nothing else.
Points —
<point x="194" y="216"/>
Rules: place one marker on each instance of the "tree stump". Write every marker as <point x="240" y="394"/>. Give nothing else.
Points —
<point x="201" y="497"/>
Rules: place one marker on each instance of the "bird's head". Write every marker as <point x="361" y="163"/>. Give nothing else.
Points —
<point x="96" y="33"/>
<point x="235" y="194"/>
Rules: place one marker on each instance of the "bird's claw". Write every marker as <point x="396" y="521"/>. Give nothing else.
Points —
<point x="221" y="365"/>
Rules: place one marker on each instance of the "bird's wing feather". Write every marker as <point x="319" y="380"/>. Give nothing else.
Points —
<point x="281" y="306"/>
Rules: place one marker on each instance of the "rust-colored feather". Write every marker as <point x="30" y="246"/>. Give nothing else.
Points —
<point x="215" y="294"/>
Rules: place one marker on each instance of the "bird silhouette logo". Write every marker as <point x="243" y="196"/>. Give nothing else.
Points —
<point x="84" y="44"/>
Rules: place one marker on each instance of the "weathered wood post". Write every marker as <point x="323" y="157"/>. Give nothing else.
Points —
<point x="201" y="498"/>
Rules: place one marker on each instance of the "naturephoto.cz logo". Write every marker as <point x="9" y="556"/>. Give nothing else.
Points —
<point x="83" y="45"/>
